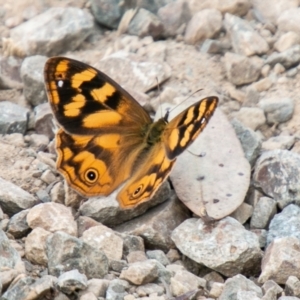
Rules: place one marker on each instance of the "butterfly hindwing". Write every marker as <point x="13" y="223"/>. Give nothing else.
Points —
<point x="149" y="176"/>
<point x="96" y="165"/>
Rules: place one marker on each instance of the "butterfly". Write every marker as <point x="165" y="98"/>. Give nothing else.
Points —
<point x="106" y="138"/>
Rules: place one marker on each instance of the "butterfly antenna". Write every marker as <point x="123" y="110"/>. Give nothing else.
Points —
<point x="186" y="99"/>
<point x="159" y="92"/>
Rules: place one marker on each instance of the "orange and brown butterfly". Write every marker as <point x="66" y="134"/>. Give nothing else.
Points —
<point x="106" y="138"/>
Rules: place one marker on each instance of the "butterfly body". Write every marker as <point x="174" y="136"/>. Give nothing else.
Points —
<point x="108" y="139"/>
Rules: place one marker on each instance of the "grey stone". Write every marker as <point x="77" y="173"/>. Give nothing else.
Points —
<point x="72" y="281"/>
<point x="35" y="242"/>
<point x="241" y="69"/>
<point x="211" y="247"/>
<point x="263" y="213"/>
<point x="292" y="72"/>
<point x="263" y="84"/>
<point x="235" y="7"/>
<point x="122" y="62"/>
<point x="9" y="257"/>
<point x="245" y="40"/>
<point x="204" y="24"/>
<point x="132" y="243"/>
<point x="287" y="58"/>
<point x="268" y="11"/>
<point x="214" y="46"/>
<point x="156" y="225"/>
<point x="13" y="118"/>
<point x="18" y="226"/>
<point x="281" y="260"/>
<point x="286" y="41"/>
<point x="153" y="5"/>
<point x="174" y="17"/>
<point x="107" y="241"/>
<point x="145" y="23"/>
<point x="276" y="172"/>
<point x="60" y="29"/>
<point x="10" y="72"/>
<point x="272" y="285"/>
<point x="97" y="286"/>
<point x="141" y="272"/>
<point x="7" y="276"/>
<point x="250" y="141"/>
<point x="43" y="196"/>
<point x="183" y="282"/>
<point x="20" y="290"/>
<point x="262" y="237"/>
<point x="52" y="217"/>
<point x="164" y="275"/>
<point x="13" y="199"/>
<point x="242" y="213"/>
<point x="117" y="265"/>
<point x="292" y="287"/>
<point x="252" y="96"/>
<point x="288" y="19"/>
<point x="32" y="73"/>
<point x="283" y="142"/>
<point x="159" y="255"/>
<point x="237" y="284"/>
<point x="148" y="289"/>
<point x="252" y="117"/>
<point x="66" y="253"/>
<point x="26" y="287"/>
<point x="107" y="12"/>
<point x="44" y="120"/>
<point x="284" y="224"/>
<point x="116" y="290"/>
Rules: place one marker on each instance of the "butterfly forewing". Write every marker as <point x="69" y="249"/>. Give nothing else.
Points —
<point x="86" y="101"/>
<point x="184" y="128"/>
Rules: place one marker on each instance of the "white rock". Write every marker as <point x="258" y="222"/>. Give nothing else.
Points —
<point x="235" y="7"/>
<point x="204" y="24"/>
<point x="104" y="238"/>
<point x="277" y="109"/>
<point x="197" y="188"/>
<point x="35" y="246"/>
<point x="133" y="71"/>
<point x="286" y="41"/>
<point x="269" y="10"/>
<point x="57" y="23"/>
<point x="184" y="281"/>
<point x="252" y="117"/>
<point x="245" y="40"/>
<point x="52" y="217"/>
<point x="241" y="69"/>
<point x="227" y="247"/>
<point x="141" y="272"/>
<point x="13" y="199"/>
<point x="288" y="20"/>
<point x="281" y="260"/>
